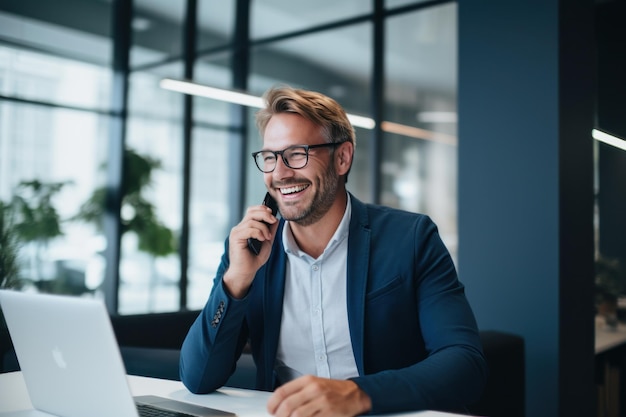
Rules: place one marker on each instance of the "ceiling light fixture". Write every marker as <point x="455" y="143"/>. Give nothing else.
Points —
<point x="188" y="87"/>
<point x="195" y="89"/>
<point x="416" y="132"/>
<point x="608" y="139"/>
<point x="244" y="99"/>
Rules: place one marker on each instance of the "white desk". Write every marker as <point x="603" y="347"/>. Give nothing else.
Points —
<point x="244" y="403"/>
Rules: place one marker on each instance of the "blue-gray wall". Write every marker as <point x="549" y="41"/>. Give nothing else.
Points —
<point x="526" y="188"/>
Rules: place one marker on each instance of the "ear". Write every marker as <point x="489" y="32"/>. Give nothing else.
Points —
<point x="343" y="157"/>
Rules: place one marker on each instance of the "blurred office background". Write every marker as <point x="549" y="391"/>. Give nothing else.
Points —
<point x="62" y="126"/>
<point x="483" y="113"/>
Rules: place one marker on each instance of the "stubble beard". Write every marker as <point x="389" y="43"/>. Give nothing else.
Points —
<point x="322" y="201"/>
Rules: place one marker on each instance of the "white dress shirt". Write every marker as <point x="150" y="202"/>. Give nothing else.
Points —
<point x="314" y="333"/>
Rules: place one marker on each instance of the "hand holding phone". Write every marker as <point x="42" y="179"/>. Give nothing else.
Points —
<point x="254" y="244"/>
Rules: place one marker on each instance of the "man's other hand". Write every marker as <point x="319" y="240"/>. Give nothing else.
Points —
<point x="310" y="395"/>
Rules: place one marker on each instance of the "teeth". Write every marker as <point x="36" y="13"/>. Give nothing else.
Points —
<point x="292" y="190"/>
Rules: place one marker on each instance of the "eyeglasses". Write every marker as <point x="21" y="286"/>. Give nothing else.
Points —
<point x="294" y="157"/>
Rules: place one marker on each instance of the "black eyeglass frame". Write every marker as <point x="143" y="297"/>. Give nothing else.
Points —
<point x="282" y="154"/>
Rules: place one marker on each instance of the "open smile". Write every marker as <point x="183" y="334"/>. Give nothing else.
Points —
<point x="293" y="190"/>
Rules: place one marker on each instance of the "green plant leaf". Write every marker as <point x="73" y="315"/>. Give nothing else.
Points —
<point x="9" y="254"/>
<point x="153" y="236"/>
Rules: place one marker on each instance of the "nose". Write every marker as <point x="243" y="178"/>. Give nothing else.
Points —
<point x="281" y="170"/>
<point x="280" y="165"/>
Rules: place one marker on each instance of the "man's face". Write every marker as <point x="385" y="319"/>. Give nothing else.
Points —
<point x="303" y="195"/>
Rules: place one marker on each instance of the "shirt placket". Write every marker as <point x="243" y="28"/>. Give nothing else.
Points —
<point x="317" y="322"/>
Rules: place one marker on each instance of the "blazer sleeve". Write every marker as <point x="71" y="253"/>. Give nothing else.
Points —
<point x="452" y="372"/>
<point x="215" y="340"/>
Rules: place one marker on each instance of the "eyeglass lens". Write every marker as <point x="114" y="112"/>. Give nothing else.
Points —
<point x="294" y="157"/>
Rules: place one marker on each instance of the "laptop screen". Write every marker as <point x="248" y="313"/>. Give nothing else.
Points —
<point x="68" y="355"/>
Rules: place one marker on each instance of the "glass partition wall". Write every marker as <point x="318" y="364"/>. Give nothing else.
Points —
<point x="187" y="174"/>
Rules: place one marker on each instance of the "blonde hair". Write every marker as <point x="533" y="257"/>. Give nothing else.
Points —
<point x="316" y="107"/>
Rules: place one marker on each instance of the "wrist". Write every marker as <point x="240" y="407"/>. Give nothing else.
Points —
<point x="237" y="287"/>
<point x="363" y="400"/>
<point x="366" y="402"/>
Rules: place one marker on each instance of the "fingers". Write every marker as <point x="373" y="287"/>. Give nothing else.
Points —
<point x="309" y="395"/>
<point x="257" y="221"/>
<point x="256" y="224"/>
<point x="291" y="396"/>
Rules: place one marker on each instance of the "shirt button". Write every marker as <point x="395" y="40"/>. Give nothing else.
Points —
<point x="315" y="267"/>
<point x="321" y="357"/>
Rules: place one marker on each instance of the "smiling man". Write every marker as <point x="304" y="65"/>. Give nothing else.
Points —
<point x="349" y="308"/>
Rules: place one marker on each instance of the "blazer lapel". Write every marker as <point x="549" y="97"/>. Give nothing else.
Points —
<point x="358" y="269"/>
<point x="273" y="303"/>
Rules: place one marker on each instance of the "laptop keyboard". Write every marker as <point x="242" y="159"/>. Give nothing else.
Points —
<point x="146" y="410"/>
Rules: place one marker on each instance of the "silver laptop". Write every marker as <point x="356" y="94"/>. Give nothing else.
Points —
<point x="70" y="360"/>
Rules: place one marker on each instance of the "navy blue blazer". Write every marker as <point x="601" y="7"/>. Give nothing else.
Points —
<point x="414" y="335"/>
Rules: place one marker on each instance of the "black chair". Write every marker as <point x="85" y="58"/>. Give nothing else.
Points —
<point x="504" y="394"/>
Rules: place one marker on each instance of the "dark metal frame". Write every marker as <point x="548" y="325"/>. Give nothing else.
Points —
<point x="122" y="17"/>
<point x="189" y="46"/>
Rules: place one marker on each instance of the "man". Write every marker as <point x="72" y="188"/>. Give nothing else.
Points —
<point x="349" y="308"/>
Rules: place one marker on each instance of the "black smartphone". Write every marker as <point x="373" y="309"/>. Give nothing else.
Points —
<point x="253" y="244"/>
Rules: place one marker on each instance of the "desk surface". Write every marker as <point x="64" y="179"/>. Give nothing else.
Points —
<point x="244" y="403"/>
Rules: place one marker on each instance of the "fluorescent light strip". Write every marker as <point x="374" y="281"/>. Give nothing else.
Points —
<point x="361" y="121"/>
<point x="188" y="87"/>
<point x="608" y="139"/>
<point x="416" y="132"/>
<point x="244" y="99"/>
<point x="220" y="94"/>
